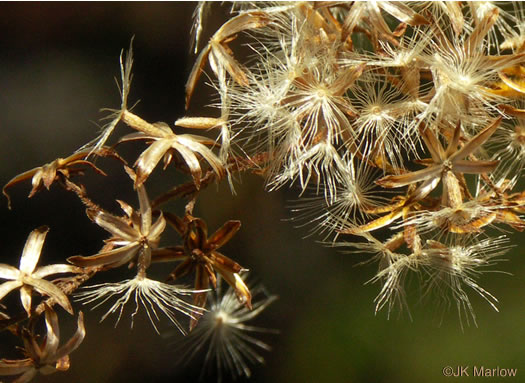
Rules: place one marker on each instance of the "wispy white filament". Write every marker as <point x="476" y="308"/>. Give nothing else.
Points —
<point x="154" y="296"/>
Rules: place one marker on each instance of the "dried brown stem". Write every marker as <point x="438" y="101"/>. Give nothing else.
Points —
<point x="189" y="189"/>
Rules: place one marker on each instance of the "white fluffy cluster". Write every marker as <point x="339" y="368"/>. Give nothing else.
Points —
<point x="389" y="116"/>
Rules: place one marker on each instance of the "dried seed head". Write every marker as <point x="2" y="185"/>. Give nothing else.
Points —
<point x="226" y="333"/>
<point x="152" y="295"/>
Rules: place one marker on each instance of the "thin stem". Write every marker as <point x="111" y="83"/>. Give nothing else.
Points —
<point x="190" y="190"/>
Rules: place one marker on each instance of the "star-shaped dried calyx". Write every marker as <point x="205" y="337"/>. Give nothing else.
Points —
<point x="47" y="357"/>
<point x="199" y="255"/>
<point x="28" y="277"/>
<point x="133" y="238"/>
<point x="164" y="144"/>
<point x="59" y="170"/>
<point x="446" y="165"/>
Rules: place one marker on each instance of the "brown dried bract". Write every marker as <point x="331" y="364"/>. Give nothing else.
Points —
<point x="199" y="255"/>
<point x="219" y="54"/>
<point x="45" y="357"/>
<point x="134" y="235"/>
<point x="446" y="165"/>
<point x="60" y="170"/>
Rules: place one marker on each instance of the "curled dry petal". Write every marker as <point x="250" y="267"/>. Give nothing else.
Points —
<point x="192" y="162"/>
<point x="7" y="287"/>
<point x="145" y="209"/>
<point x="25" y="298"/>
<point x="242" y="291"/>
<point x="225" y="233"/>
<point x="156" y="230"/>
<point x="221" y="58"/>
<point x="520" y="113"/>
<point x="16" y="180"/>
<point x="47" y="288"/>
<point x="14" y="367"/>
<point x="182" y="269"/>
<point x="482" y="28"/>
<point x="112" y="258"/>
<point x="53" y="332"/>
<point x="476" y="141"/>
<point x="519" y="87"/>
<point x="45" y="271"/>
<point x="32" y="249"/>
<point x="433" y="145"/>
<point x="375" y="224"/>
<point x="197" y="144"/>
<point x="117" y="226"/>
<point x="149" y="159"/>
<point x="75" y="341"/>
<point x="395" y="181"/>
<point x="475" y="167"/>
<point x="8" y="272"/>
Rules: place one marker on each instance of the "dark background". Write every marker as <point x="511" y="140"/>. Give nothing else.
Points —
<point x="57" y="63"/>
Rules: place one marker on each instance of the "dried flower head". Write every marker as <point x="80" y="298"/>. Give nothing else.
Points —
<point x="224" y="332"/>
<point x="199" y="255"/>
<point x="164" y="144"/>
<point x="152" y="295"/>
<point x="45" y="357"/>
<point x="61" y="170"/>
<point x="133" y="236"/>
<point x="29" y="278"/>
